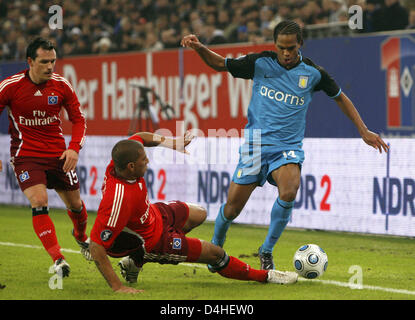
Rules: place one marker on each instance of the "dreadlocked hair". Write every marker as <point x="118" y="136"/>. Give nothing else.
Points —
<point x="289" y="27"/>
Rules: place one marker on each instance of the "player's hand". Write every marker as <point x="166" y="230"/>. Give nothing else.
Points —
<point x="125" y="289"/>
<point x="181" y="143"/>
<point x="191" y="41"/>
<point x="71" y="159"/>
<point x="374" y="140"/>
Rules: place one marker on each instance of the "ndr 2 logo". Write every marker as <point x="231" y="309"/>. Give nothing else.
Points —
<point x="394" y="196"/>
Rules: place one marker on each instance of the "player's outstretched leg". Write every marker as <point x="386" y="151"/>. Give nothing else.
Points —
<point x="233" y="268"/>
<point x="280" y="216"/>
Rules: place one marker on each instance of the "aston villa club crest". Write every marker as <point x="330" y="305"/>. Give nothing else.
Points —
<point x="302" y="82"/>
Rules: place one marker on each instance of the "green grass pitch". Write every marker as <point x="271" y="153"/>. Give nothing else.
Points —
<point x="386" y="264"/>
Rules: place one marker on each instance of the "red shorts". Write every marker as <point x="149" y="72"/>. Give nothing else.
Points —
<point x="173" y="246"/>
<point x="31" y="171"/>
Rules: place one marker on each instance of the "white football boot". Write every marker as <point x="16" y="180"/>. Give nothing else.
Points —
<point x="129" y="270"/>
<point x="84" y="245"/>
<point x="61" y="268"/>
<point x="282" y="277"/>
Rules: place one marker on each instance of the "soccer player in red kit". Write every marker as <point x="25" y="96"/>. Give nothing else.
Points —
<point x="129" y="226"/>
<point x="34" y="99"/>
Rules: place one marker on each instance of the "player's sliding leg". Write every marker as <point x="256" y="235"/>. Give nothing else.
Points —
<point x="197" y="215"/>
<point x="287" y="178"/>
<point x="233" y="268"/>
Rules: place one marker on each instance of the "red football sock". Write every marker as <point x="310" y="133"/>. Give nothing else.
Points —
<point x="79" y="220"/>
<point x="45" y="230"/>
<point x="236" y="269"/>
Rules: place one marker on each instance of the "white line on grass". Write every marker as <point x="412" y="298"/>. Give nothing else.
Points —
<point x="11" y="244"/>
<point x="194" y="265"/>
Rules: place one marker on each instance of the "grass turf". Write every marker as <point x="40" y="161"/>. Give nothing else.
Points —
<point x="386" y="263"/>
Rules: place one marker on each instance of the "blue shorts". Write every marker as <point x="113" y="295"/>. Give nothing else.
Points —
<point x="256" y="163"/>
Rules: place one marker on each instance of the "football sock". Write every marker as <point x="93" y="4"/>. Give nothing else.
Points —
<point x="239" y="270"/>
<point x="79" y="220"/>
<point x="45" y="230"/>
<point x="222" y="225"/>
<point x="280" y="215"/>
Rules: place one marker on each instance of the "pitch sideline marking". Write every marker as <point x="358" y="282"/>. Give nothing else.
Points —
<point x="331" y="282"/>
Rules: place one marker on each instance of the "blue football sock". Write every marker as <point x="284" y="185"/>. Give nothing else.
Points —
<point x="280" y="215"/>
<point x="222" y="225"/>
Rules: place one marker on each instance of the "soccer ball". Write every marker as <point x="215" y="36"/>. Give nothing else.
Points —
<point x="310" y="261"/>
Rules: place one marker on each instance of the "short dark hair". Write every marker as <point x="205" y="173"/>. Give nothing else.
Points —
<point x="289" y="27"/>
<point x="124" y="152"/>
<point x="36" y="44"/>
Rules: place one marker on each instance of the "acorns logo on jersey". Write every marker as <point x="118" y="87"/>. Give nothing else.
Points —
<point x="281" y="96"/>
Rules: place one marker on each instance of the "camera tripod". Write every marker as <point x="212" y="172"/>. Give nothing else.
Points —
<point x="143" y="106"/>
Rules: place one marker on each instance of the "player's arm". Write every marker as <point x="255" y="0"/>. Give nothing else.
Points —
<point x="371" y="138"/>
<point x="73" y="108"/>
<point x="212" y="59"/>
<point x="176" y="143"/>
<point x="104" y="266"/>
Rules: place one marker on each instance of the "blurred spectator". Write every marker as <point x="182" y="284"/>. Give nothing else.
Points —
<point x="283" y="13"/>
<point x="152" y="42"/>
<point x="3" y="9"/>
<point x="170" y="39"/>
<point x="102" y="46"/>
<point x="20" y="51"/>
<point x="411" y="19"/>
<point x="391" y="16"/>
<point x="214" y="35"/>
<point x="338" y="9"/>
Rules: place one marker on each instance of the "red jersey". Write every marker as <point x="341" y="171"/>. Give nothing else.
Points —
<point x="125" y="204"/>
<point x="34" y="121"/>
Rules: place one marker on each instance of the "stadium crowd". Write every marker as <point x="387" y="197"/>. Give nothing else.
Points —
<point x="102" y="26"/>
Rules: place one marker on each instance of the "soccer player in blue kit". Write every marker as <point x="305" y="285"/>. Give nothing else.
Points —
<point x="283" y="85"/>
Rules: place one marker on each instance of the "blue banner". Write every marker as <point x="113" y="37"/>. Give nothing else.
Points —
<point x="6" y="70"/>
<point x="377" y="73"/>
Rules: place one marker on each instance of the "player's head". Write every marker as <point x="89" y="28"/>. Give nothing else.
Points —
<point x="288" y="39"/>
<point x="130" y="159"/>
<point x="41" y="57"/>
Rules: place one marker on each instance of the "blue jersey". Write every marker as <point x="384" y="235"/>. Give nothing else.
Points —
<point x="280" y="97"/>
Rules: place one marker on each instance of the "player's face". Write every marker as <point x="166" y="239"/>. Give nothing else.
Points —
<point x="42" y="67"/>
<point x="287" y="50"/>
<point x="139" y="167"/>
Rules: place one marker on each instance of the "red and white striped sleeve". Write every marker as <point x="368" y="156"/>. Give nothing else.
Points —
<point x="75" y="115"/>
<point x="113" y="215"/>
<point x="5" y="85"/>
